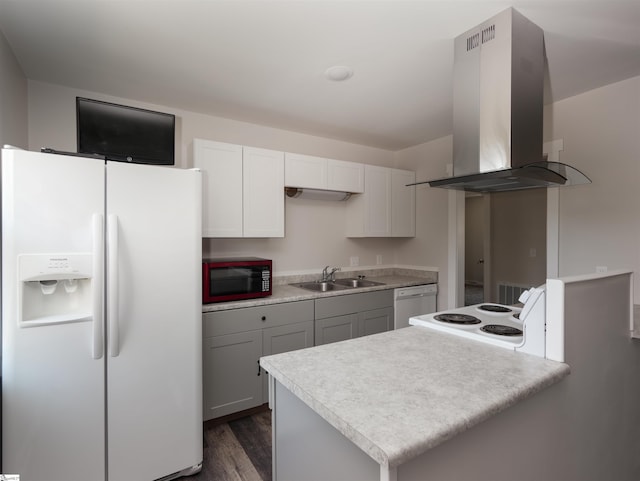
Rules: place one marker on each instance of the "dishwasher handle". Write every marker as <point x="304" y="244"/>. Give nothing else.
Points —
<point x="412" y="296"/>
<point x="416" y="291"/>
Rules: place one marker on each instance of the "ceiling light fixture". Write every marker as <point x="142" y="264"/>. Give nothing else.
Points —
<point x="338" y="73"/>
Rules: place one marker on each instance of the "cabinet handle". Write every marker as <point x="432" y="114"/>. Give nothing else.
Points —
<point x="258" y="361"/>
<point x="264" y="318"/>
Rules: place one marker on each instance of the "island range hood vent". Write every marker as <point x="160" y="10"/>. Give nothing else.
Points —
<point x="498" y="89"/>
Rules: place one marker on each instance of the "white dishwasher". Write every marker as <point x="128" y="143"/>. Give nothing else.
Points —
<point x="413" y="301"/>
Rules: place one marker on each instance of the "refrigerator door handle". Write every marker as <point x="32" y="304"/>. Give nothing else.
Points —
<point x="112" y="260"/>
<point x="97" y="283"/>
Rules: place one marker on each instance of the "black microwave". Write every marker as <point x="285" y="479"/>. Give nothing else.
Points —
<point x="237" y="278"/>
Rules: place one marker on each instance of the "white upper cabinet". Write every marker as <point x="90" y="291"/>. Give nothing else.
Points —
<point x="403" y="203"/>
<point x="307" y="171"/>
<point x="221" y="166"/>
<point x="263" y="192"/>
<point x="369" y="214"/>
<point x="387" y="206"/>
<point x="243" y="190"/>
<point x="345" y="176"/>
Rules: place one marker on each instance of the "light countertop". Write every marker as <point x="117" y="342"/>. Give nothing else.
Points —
<point x="288" y="293"/>
<point x="399" y="393"/>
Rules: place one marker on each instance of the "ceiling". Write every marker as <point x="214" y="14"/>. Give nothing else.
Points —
<point x="264" y="61"/>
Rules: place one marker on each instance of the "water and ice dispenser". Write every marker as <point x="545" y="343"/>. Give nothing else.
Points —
<point x="54" y="288"/>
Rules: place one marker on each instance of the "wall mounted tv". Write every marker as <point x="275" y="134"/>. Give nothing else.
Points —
<point x="125" y="133"/>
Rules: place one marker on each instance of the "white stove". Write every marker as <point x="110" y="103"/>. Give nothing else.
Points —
<point x="510" y="327"/>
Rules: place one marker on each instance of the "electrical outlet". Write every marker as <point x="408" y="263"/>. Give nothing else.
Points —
<point x="354" y="261"/>
<point x="602" y="268"/>
<point x="379" y="259"/>
<point x="533" y="252"/>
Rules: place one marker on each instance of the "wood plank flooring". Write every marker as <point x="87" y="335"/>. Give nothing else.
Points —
<point x="237" y="449"/>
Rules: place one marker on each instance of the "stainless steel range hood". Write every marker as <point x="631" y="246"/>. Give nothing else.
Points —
<point x="497" y="110"/>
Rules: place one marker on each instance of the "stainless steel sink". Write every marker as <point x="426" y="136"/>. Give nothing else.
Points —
<point x="354" y="282"/>
<point x="318" y="286"/>
<point x="337" y="285"/>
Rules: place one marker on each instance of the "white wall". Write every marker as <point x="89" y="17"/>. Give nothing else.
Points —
<point x="314" y="229"/>
<point x="518" y="226"/>
<point x="474" y="234"/>
<point x="13" y="98"/>
<point x="600" y="222"/>
<point x="430" y="246"/>
<point x="52" y="123"/>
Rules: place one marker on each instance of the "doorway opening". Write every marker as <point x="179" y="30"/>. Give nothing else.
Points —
<point x="505" y="248"/>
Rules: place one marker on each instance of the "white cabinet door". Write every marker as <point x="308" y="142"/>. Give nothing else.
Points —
<point x="305" y="171"/>
<point x="311" y="172"/>
<point x="345" y="176"/>
<point x="378" y="208"/>
<point x="263" y="192"/>
<point x="221" y="166"/>
<point x="403" y="203"/>
<point x="387" y="206"/>
<point x="369" y="213"/>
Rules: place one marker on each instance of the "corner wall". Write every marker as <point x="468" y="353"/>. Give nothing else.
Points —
<point x="430" y="245"/>
<point x="13" y="98"/>
<point x="600" y="222"/>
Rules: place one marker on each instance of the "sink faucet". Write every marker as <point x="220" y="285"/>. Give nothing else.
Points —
<point x="329" y="276"/>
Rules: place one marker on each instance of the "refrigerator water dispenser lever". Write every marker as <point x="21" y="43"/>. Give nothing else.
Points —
<point x="48" y="287"/>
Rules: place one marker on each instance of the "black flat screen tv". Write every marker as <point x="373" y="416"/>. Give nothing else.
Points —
<point x="125" y="134"/>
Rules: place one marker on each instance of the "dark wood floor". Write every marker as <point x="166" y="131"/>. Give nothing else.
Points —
<point x="237" y="449"/>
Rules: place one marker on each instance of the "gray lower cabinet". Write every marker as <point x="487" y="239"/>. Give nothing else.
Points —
<point x="231" y="381"/>
<point x="338" y="328"/>
<point x="235" y="339"/>
<point x="375" y="321"/>
<point x="233" y="342"/>
<point x="284" y="339"/>
<point x="344" y="317"/>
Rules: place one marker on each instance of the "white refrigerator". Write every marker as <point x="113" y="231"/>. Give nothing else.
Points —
<point x="101" y="319"/>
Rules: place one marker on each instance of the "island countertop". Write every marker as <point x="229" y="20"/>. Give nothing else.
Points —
<point x="399" y="393"/>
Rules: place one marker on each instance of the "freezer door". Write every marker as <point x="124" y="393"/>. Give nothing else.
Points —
<point x="154" y="310"/>
<point x="52" y="374"/>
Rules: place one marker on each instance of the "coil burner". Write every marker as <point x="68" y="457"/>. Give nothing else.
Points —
<point x="453" y="318"/>
<point x="501" y="330"/>
<point x="494" y="308"/>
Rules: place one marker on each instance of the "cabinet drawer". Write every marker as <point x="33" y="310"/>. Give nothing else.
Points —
<point x="249" y="318"/>
<point x="341" y="305"/>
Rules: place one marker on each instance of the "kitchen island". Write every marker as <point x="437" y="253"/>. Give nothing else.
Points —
<point x="420" y="405"/>
<point x="375" y="407"/>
